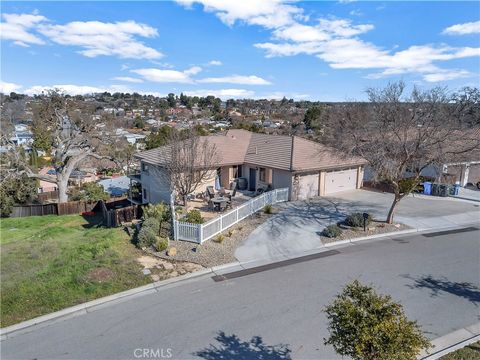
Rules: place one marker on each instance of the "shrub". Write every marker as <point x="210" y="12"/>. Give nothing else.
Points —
<point x="230" y="233"/>
<point x="146" y="237"/>
<point x="268" y="209"/>
<point x="153" y="224"/>
<point x="366" y="326"/>
<point x="332" y="231"/>
<point x="219" y="239"/>
<point x="194" y="217"/>
<point x="356" y="220"/>
<point x="161" y="212"/>
<point x="161" y="244"/>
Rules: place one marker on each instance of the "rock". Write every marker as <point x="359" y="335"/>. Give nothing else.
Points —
<point x="173" y="274"/>
<point x="155" y="277"/>
<point x="172" y="251"/>
<point x="370" y="228"/>
<point x="167" y="265"/>
<point x="182" y="271"/>
<point x="397" y="226"/>
<point x="146" y="272"/>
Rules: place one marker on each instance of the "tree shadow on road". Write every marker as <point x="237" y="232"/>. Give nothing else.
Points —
<point x="465" y="290"/>
<point x="232" y="347"/>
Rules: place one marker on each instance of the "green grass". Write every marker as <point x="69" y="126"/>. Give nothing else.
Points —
<point x="470" y="352"/>
<point x="52" y="262"/>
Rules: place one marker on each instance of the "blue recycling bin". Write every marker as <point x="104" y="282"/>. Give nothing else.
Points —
<point x="456" y="189"/>
<point x="427" y="188"/>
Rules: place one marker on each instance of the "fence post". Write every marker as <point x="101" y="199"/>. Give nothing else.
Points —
<point x="200" y="233"/>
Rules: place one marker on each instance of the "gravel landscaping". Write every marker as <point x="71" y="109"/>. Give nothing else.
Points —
<point x="374" y="228"/>
<point x="211" y="252"/>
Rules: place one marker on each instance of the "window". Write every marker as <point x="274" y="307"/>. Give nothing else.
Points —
<point x="144" y="168"/>
<point x="145" y="194"/>
<point x="262" y="174"/>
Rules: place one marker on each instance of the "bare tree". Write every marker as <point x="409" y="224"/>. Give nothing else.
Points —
<point x="66" y="128"/>
<point x="190" y="160"/>
<point x="400" y="136"/>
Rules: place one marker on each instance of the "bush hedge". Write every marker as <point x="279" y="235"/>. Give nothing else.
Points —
<point x="161" y="244"/>
<point x="146" y="237"/>
<point x="194" y="217"/>
<point x="332" y="231"/>
<point x="356" y="220"/>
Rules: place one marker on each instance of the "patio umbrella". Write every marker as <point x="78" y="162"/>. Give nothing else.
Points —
<point x="217" y="183"/>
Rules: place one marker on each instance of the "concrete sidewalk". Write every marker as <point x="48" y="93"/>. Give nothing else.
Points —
<point x="297" y="227"/>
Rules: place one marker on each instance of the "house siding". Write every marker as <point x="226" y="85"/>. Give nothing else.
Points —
<point x="157" y="185"/>
<point x="282" y="179"/>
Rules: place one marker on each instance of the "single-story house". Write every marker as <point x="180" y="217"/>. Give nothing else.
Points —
<point x="305" y="167"/>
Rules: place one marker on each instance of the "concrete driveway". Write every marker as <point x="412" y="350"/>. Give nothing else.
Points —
<point x="297" y="227"/>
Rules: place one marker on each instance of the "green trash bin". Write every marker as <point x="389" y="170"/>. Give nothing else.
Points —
<point x="435" y="190"/>
<point x="443" y="190"/>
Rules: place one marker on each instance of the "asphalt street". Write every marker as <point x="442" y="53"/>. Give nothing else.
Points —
<point x="275" y="311"/>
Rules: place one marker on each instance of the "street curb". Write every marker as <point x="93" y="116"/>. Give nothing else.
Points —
<point x="81" y="309"/>
<point x="453" y="341"/>
<point x="372" y="237"/>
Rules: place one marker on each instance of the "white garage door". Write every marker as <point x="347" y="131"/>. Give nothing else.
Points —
<point x="308" y="186"/>
<point x="336" y="181"/>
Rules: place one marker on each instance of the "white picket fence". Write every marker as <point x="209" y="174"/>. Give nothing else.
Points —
<point x="200" y="232"/>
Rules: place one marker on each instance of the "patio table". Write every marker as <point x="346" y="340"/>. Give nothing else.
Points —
<point x="218" y="201"/>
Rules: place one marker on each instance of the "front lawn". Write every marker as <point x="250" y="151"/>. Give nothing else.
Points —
<point x="52" y="262"/>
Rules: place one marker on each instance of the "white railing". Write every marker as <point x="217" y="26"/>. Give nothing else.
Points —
<point x="200" y="232"/>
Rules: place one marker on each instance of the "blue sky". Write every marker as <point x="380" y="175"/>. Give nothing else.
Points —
<point x="317" y="50"/>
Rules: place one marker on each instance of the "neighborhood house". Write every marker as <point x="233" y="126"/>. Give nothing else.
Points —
<point x="264" y="162"/>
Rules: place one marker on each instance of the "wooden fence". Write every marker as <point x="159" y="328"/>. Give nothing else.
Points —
<point x="67" y="208"/>
<point x="116" y="217"/>
<point x="47" y="196"/>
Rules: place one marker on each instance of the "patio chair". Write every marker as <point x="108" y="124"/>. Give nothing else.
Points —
<point x="223" y="192"/>
<point x="230" y="196"/>
<point x="211" y="205"/>
<point x="210" y="192"/>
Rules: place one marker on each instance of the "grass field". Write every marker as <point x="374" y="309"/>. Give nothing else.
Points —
<point x="470" y="352"/>
<point x="52" y="262"/>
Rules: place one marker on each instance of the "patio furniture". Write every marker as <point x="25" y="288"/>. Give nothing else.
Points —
<point x="210" y="192"/>
<point x="223" y="192"/>
<point x="219" y="203"/>
<point x="230" y="196"/>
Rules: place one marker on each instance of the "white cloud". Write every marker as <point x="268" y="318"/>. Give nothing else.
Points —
<point x="267" y="13"/>
<point x="463" y="29"/>
<point x="193" y="70"/>
<point x="215" y="63"/>
<point x="222" y="93"/>
<point x="127" y="79"/>
<point x="446" y="75"/>
<point x="236" y="79"/>
<point x="17" y="27"/>
<point x="86" y="89"/>
<point x="99" y="38"/>
<point x="167" y="76"/>
<point x="280" y="95"/>
<point x="336" y="41"/>
<point x="7" y="88"/>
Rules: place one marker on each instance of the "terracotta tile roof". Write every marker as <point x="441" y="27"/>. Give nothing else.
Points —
<point x="275" y="151"/>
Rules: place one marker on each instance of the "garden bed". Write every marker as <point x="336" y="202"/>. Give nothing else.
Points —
<point x="374" y="228"/>
<point x="213" y="253"/>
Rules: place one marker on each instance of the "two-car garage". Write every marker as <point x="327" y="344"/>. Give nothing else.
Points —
<point x="325" y="182"/>
<point x="336" y="181"/>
